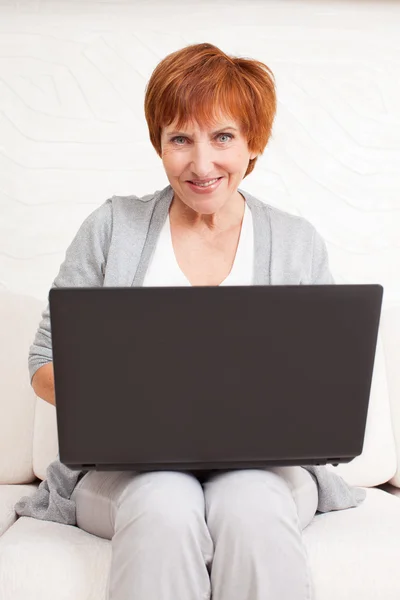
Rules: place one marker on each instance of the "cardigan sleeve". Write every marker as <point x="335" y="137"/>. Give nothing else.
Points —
<point x="83" y="266"/>
<point x="320" y="271"/>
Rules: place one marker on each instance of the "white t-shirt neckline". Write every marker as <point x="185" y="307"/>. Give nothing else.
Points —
<point x="164" y="270"/>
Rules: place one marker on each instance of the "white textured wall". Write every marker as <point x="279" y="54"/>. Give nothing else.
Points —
<point x="72" y="128"/>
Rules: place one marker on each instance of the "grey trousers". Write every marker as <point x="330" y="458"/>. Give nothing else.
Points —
<point x="231" y="535"/>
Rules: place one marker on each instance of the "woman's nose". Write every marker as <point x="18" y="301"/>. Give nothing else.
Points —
<point x="202" y="159"/>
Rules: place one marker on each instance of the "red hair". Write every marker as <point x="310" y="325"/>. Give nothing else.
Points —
<point x="200" y="83"/>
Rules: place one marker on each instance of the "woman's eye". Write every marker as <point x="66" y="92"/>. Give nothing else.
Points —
<point x="180" y="140"/>
<point x="176" y="140"/>
<point x="225" y="135"/>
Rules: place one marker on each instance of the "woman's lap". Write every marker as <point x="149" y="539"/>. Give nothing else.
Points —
<point x="99" y="493"/>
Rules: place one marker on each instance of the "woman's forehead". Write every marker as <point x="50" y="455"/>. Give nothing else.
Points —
<point x="213" y="126"/>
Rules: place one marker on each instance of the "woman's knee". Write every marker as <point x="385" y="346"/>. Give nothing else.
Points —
<point x="164" y="500"/>
<point x="248" y="502"/>
<point x="304" y="490"/>
<point x="163" y="515"/>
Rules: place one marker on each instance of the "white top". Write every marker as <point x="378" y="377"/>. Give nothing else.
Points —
<point x="164" y="270"/>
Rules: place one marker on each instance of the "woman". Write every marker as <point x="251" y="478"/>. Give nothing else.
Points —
<point x="183" y="536"/>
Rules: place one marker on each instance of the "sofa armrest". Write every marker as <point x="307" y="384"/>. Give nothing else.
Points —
<point x="9" y="496"/>
<point x="390" y="327"/>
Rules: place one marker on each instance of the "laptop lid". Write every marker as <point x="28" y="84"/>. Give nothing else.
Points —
<point x="212" y="377"/>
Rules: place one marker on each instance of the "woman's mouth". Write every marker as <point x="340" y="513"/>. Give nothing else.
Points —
<point x="204" y="187"/>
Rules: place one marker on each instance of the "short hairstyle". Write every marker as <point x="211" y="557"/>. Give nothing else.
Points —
<point x="200" y="83"/>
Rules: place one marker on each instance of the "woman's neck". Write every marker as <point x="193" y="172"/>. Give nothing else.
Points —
<point x="228" y="217"/>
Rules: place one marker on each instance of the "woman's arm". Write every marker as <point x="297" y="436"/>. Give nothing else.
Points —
<point x="320" y="271"/>
<point x="83" y="266"/>
<point x="43" y="383"/>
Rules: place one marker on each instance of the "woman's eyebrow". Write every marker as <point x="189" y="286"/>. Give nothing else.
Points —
<point x="213" y="133"/>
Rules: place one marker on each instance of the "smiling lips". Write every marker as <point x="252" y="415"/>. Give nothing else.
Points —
<point x="204" y="182"/>
<point x="205" y="186"/>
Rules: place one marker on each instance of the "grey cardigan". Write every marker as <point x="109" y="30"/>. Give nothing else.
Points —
<point x="113" y="247"/>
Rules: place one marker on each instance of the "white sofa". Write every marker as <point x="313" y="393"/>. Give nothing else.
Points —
<point x="353" y="553"/>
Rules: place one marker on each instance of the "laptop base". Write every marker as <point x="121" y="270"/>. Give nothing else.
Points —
<point x="219" y="465"/>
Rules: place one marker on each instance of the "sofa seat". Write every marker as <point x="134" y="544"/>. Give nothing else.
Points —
<point x="353" y="554"/>
<point x="9" y="495"/>
<point x="41" y="559"/>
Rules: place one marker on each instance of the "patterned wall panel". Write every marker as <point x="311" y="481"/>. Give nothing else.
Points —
<point x="72" y="128"/>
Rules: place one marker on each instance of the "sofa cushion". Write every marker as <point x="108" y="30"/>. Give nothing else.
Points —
<point x="41" y="559"/>
<point x="378" y="461"/>
<point x="355" y="553"/>
<point x="19" y="319"/>
<point x="391" y="341"/>
<point x="9" y="495"/>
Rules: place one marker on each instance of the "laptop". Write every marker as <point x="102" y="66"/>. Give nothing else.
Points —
<point x="205" y="378"/>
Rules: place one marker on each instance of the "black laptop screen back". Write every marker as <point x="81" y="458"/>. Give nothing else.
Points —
<point x="212" y="377"/>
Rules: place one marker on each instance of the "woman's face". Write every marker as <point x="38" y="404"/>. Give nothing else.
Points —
<point x="195" y="155"/>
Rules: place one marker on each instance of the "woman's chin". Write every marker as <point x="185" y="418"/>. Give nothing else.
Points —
<point x="206" y="203"/>
<point x="206" y="206"/>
